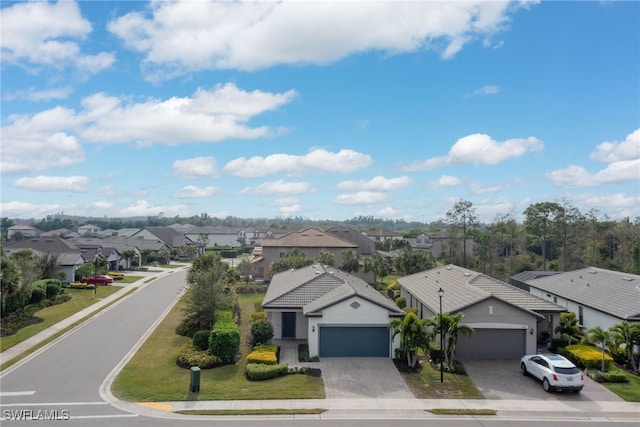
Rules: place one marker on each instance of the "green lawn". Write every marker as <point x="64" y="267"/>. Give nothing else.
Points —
<point x="80" y="299"/>
<point x="426" y="385"/>
<point x="152" y="374"/>
<point x="628" y="391"/>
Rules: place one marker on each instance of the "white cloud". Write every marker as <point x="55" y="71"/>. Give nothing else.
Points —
<point x="108" y="191"/>
<point x="193" y="192"/>
<point x="207" y="116"/>
<point x="578" y="176"/>
<point x="279" y="187"/>
<point x="477" y="189"/>
<point x="612" y="201"/>
<point x="446" y="181"/>
<point x="485" y="90"/>
<point x="198" y="167"/>
<point x="609" y="152"/>
<point x="54" y="183"/>
<point x="33" y="94"/>
<point x="378" y="183"/>
<point x="480" y="149"/>
<point x="16" y="209"/>
<point x="43" y="34"/>
<point x="144" y="208"/>
<point x="389" y="212"/>
<point x="317" y="160"/>
<point x="287" y="205"/>
<point x="361" y="198"/>
<point x="183" y="36"/>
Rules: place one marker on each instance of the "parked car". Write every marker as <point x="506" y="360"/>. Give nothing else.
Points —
<point x="556" y="372"/>
<point x="98" y="280"/>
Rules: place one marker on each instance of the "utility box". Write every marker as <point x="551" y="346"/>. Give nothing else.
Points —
<point x="194" y="383"/>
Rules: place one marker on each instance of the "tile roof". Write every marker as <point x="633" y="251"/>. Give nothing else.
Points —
<point x="316" y="287"/>
<point x="366" y="246"/>
<point x="608" y="291"/>
<point x="464" y="288"/>
<point x="309" y="237"/>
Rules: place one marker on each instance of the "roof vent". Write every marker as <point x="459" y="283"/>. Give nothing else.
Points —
<point x="467" y="274"/>
<point x="317" y="273"/>
<point x="592" y="271"/>
<point x="448" y="267"/>
<point x="628" y="279"/>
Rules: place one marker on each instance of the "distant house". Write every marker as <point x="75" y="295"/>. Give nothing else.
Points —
<point x="21" y="231"/>
<point x="508" y="322"/>
<point x="255" y="236"/>
<point x="339" y="314"/>
<point x="440" y="244"/>
<point x="366" y="246"/>
<point x="520" y="280"/>
<point x="597" y="296"/>
<point x="310" y="241"/>
<point x="173" y="239"/>
<point x="89" y="229"/>
<point x="60" y="232"/>
<point x="382" y="235"/>
<point x="216" y="236"/>
<point x="69" y="255"/>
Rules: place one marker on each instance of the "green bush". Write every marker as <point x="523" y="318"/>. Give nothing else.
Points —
<point x="261" y="372"/>
<point x="259" y="316"/>
<point x="224" y="340"/>
<point x="38" y="294"/>
<point x="557" y="343"/>
<point x="189" y="356"/>
<point x="188" y="327"/>
<point x="53" y="289"/>
<point x="595" y="375"/>
<point x="615" y="377"/>
<point x="200" y="340"/>
<point x="262" y="332"/>
<point x="401" y="302"/>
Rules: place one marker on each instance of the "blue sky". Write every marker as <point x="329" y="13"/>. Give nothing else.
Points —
<point x="325" y="110"/>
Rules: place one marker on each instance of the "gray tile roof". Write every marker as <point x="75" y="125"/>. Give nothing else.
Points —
<point x="309" y="237"/>
<point x="612" y="292"/>
<point x="316" y="287"/>
<point x="464" y="288"/>
<point x="366" y="246"/>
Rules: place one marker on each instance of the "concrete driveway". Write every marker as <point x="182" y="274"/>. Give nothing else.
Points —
<point x="502" y="380"/>
<point x="362" y="378"/>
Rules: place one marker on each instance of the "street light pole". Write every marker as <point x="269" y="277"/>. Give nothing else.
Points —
<point x="440" y="295"/>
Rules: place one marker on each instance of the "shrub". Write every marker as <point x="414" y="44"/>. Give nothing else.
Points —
<point x="587" y="357"/>
<point x="264" y="354"/>
<point x="401" y="302"/>
<point x="393" y="286"/>
<point x="615" y="377"/>
<point x="262" y="332"/>
<point x="557" y="343"/>
<point x="595" y="375"/>
<point x="53" y="289"/>
<point x="303" y="354"/>
<point x="189" y="356"/>
<point x="38" y="294"/>
<point x="188" y="327"/>
<point x="201" y="340"/>
<point x="224" y="340"/>
<point x="261" y="372"/>
<point x="259" y="316"/>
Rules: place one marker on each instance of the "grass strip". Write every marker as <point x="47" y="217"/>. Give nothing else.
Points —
<point x="62" y="332"/>
<point x="462" y="411"/>
<point x="274" y="411"/>
<point x="426" y="385"/>
<point x="629" y="391"/>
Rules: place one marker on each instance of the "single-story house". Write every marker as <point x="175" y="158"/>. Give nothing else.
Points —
<point x="441" y="244"/>
<point x="339" y="314"/>
<point x="507" y="321"/>
<point x="21" y="231"/>
<point x="597" y="296"/>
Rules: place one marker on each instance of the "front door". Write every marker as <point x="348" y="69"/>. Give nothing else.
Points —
<point x="288" y="324"/>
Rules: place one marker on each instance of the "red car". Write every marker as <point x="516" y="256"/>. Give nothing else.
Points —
<point x="98" y="280"/>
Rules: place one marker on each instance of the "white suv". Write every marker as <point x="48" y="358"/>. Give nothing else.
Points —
<point x="556" y="372"/>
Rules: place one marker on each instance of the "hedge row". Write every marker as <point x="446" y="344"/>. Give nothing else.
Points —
<point x="261" y="372"/>
<point x="264" y="354"/>
<point x="587" y="357"/>
<point x="224" y="341"/>
<point x="190" y="356"/>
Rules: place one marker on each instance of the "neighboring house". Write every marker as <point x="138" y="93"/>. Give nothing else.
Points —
<point x="93" y="247"/>
<point x="254" y="237"/>
<point x="339" y="314"/>
<point x="310" y="241"/>
<point x="216" y="236"/>
<point x="598" y="297"/>
<point x="122" y="232"/>
<point x="507" y="321"/>
<point x="382" y="235"/>
<point x="70" y="256"/>
<point x="440" y="244"/>
<point x="89" y="229"/>
<point x="173" y="239"/>
<point x="60" y="232"/>
<point x="366" y="246"/>
<point x="520" y="280"/>
<point x="21" y="231"/>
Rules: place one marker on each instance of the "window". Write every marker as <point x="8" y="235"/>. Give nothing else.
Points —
<point x="555" y="299"/>
<point x="580" y="315"/>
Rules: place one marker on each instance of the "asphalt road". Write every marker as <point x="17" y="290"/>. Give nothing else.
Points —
<point x="67" y="375"/>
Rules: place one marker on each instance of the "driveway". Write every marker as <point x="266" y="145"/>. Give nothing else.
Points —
<point x="362" y="378"/>
<point x="502" y="380"/>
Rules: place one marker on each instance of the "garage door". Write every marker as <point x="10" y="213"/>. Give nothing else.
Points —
<point x="354" y="341"/>
<point x="492" y="344"/>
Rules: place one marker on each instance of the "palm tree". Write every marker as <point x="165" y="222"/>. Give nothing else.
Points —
<point x="128" y="255"/>
<point x="568" y="327"/>
<point x="450" y="325"/>
<point x="627" y="335"/>
<point x="413" y="336"/>
<point x="350" y="261"/>
<point x="378" y="264"/>
<point x="326" y="258"/>
<point x="600" y="337"/>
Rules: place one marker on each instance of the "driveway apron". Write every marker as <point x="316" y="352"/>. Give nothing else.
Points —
<point x="362" y="378"/>
<point x="502" y="380"/>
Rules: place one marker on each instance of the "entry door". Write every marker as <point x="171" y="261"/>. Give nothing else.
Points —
<point x="288" y="324"/>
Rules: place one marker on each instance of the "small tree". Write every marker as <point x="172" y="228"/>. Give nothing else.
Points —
<point x="568" y="327"/>
<point x="413" y="336"/>
<point x="601" y="338"/>
<point x="262" y="332"/>
<point x="350" y="261"/>
<point x="627" y="335"/>
<point x="378" y="265"/>
<point x="326" y="258"/>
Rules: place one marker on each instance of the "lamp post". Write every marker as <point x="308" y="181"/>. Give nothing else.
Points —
<point x="440" y="295"/>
